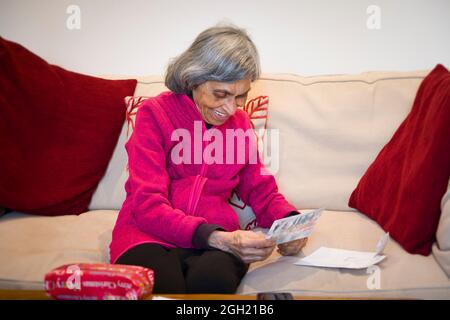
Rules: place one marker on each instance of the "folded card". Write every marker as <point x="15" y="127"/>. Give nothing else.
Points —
<point x="340" y="258"/>
<point x="294" y="227"/>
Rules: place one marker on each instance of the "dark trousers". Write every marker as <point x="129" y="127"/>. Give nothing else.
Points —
<point x="188" y="270"/>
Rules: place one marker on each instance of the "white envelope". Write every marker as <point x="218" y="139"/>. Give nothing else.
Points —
<point x="340" y="258"/>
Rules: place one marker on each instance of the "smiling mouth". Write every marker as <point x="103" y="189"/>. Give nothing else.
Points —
<point x="220" y="114"/>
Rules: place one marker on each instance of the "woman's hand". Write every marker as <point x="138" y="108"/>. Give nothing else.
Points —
<point x="249" y="246"/>
<point x="292" y="247"/>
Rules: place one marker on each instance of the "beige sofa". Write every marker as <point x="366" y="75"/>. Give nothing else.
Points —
<point x="331" y="128"/>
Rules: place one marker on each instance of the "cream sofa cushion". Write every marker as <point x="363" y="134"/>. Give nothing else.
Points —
<point x="30" y="246"/>
<point x="400" y="275"/>
<point x="332" y="128"/>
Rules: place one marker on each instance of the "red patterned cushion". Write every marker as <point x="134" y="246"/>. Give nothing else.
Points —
<point x="403" y="187"/>
<point x="132" y="106"/>
<point x="256" y="108"/>
<point x="58" y="130"/>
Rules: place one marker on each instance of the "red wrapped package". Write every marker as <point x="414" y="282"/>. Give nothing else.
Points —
<point x="98" y="281"/>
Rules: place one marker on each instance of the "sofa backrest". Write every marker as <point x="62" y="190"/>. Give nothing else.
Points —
<point x="330" y="129"/>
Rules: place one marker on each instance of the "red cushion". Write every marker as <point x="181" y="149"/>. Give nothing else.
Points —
<point x="403" y="187"/>
<point x="58" y="130"/>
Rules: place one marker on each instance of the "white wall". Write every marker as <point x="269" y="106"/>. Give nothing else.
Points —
<point x="137" y="37"/>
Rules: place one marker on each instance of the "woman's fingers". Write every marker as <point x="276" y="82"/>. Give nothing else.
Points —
<point x="287" y="252"/>
<point x="256" y="241"/>
<point x="254" y="252"/>
<point x="250" y="239"/>
<point x="251" y="259"/>
<point x="258" y="251"/>
<point x="292" y="247"/>
<point x="251" y="246"/>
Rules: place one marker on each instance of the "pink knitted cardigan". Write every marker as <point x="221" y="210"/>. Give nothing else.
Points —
<point x="166" y="201"/>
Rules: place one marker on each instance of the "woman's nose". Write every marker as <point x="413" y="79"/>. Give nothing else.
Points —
<point x="230" y="107"/>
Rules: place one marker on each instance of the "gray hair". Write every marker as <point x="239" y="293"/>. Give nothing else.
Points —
<point x="220" y="53"/>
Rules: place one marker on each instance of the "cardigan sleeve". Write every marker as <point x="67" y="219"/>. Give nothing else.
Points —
<point x="148" y="183"/>
<point x="257" y="187"/>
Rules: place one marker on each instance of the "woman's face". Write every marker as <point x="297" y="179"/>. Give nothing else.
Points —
<point x="217" y="101"/>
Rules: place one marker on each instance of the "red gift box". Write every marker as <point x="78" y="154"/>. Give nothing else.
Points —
<point x="84" y="281"/>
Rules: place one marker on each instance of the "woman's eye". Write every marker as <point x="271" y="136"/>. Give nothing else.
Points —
<point x="220" y="96"/>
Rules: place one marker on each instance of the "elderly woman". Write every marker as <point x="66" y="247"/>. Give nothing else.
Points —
<point x="176" y="219"/>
